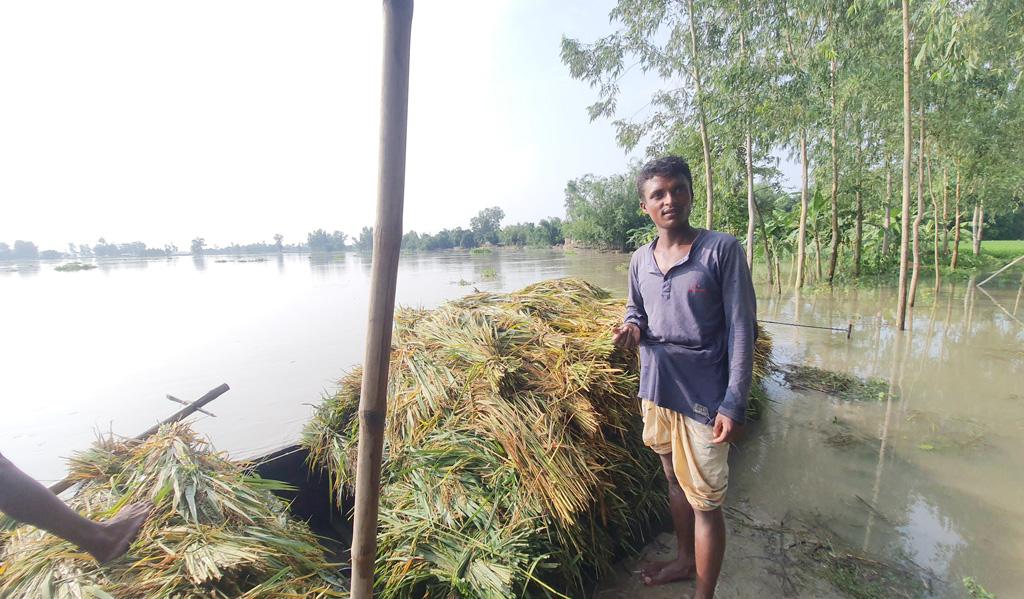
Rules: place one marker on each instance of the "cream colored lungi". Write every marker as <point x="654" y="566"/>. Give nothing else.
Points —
<point x="700" y="466"/>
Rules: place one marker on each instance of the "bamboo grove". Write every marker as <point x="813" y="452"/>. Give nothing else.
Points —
<point x="905" y="118"/>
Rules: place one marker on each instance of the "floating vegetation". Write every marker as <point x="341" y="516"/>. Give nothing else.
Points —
<point x="215" y="532"/>
<point x="488" y="274"/>
<point x="481" y="251"/>
<point x="975" y="590"/>
<point x="463" y="283"/>
<point x="934" y="432"/>
<point x="799" y="548"/>
<point x="74" y="267"/>
<point x="513" y="464"/>
<point x="837" y="384"/>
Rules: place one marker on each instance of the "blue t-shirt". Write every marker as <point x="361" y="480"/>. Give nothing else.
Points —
<point x="697" y="324"/>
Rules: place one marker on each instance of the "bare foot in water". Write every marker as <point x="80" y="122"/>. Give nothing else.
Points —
<point x="657" y="573"/>
<point x="114" y="536"/>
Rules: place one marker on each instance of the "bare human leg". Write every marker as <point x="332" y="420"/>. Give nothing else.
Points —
<point x="683" y="567"/>
<point x="710" y="550"/>
<point x="25" y="500"/>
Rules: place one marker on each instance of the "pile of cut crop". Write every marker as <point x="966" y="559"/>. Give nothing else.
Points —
<point x="513" y="462"/>
<point x="215" y="531"/>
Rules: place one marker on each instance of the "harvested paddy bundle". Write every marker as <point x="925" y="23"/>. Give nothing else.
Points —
<point x="513" y="462"/>
<point x="215" y="531"/>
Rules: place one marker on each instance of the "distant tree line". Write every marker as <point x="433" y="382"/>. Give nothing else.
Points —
<point x="485" y="229"/>
<point x="27" y="250"/>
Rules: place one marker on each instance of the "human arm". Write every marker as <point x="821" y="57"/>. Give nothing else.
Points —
<point x="27" y="501"/>
<point x="740" y="311"/>
<point x="636" y="315"/>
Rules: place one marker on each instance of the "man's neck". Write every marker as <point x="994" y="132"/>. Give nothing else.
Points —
<point x="678" y="236"/>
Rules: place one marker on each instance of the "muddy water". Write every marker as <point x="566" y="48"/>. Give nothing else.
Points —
<point x="930" y="473"/>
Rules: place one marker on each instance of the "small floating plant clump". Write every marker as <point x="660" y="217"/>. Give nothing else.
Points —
<point x="74" y="267"/>
<point x="215" y="531"/>
<point x="837" y="384"/>
<point x="513" y="463"/>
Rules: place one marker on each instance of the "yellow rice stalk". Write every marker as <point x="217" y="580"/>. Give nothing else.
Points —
<point x="215" y="531"/>
<point x="513" y="459"/>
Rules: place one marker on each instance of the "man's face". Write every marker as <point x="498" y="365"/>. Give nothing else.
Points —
<point x="667" y="201"/>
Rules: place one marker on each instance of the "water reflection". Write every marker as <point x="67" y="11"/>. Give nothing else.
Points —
<point x="924" y="472"/>
<point x="930" y="470"/>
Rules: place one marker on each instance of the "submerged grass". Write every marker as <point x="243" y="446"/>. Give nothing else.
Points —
<point x="802" y="547"/>
<point x="215" y="532"/>
<point x="513" y="461"/>
<point x="837" y="384"/>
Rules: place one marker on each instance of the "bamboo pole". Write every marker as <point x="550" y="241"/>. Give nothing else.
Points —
<point x="387" y="237"/>
<point x="996" y="273"/>
<point x="189" y="409"/>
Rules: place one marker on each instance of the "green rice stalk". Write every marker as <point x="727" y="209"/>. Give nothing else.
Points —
<point x="513" y="461"/>
<point x="215" y="531"/>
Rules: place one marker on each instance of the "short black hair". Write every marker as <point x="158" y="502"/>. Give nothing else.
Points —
<point x="672" y="167"/>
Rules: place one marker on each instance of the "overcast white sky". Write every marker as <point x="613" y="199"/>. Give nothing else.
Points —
<point x="237" y="119"/>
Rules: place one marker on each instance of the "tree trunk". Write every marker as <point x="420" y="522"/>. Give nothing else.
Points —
<point x="981" y="227"/>
<point x="858" y="233"/>
<point x="956" y="222"/>
<point x="975" y="230"/>
<point x="888" y="212"/>
<point x="768" y="253"/>
<point x="901" y="306"/>
<point x="920" y="210"/>
<point x="935" y="228"/>
<point x="705" y="144"/>
<point x="817" y="248"/>
<point x="835" y="180"/>
<point x="801" y="240"/>
<point x="945" y="211"/>
<point x="750" y="204"/>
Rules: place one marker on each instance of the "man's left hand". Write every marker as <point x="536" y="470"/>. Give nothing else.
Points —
<point x="726" y="430"/>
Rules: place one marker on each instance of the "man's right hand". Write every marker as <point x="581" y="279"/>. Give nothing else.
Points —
<point x="626" y="336"/>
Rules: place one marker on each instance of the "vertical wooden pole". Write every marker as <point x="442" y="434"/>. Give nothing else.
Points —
<point x="387" y="237"/>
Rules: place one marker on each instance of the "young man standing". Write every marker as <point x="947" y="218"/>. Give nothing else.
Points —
<point x="691" y="310"/>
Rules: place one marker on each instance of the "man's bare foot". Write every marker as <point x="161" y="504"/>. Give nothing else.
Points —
<point x="672" y="571"/>
<point x="650" y="567"/>
<point x="115" y="535"/>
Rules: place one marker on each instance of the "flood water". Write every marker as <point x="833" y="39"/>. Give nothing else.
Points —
<point x="931" y="474"/>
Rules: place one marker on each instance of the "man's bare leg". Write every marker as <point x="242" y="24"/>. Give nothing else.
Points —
<point x="25" y="500"/>
<point x="683" y="567"/>
<point x="710" y="549"/>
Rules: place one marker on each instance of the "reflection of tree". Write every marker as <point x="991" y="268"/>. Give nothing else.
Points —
<point x="199" y="261"/>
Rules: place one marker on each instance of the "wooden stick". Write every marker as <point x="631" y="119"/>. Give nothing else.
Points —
<point x="1016" y="260"/>
<point x="1000" y="306"/>
<point x="185" y="403"/>
<point x="181" y="414"/>
<point x="387" y="238"/>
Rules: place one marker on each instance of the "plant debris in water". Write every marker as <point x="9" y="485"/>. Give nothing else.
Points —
<point x="837" y="384"/>
<point x="805" y="547"/>
<point x="215" y="532"/>
<point x="934" y="432"/>
<point x="513" y="464"/>
<point x="74" y="267"/>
